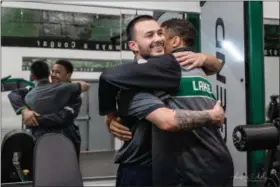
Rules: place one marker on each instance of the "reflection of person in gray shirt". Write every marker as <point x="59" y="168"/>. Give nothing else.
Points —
<point x="61" y="72"/>
<point x="48" y="98"/>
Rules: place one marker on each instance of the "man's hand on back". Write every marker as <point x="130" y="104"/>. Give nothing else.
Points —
<point x="84" y="85"/>
<point x="108" y="119"/>
<point x="29" y="117"/>
<point x="190" y="59"/>
<point x="116" y="128"/>
<point x="217" y="114"/>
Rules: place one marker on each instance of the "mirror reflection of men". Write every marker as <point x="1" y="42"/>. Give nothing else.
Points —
<point x="61" y="73"/>
<point x="134" y="156"/>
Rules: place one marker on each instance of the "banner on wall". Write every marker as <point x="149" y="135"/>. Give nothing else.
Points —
<point x="222" y="35"/>
<point x="80" y="65"/>
<point x="57" y="29"/>
<point x="23" y="27"/>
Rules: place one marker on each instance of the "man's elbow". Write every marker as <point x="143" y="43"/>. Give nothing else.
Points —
<point x="164" y="119"/>
<point x="10" y="96"/>
<point x="105" y="76"/>
<point x="168" y="126"/>
<point x="217" y="68"/>
<point x="210" y="72"/>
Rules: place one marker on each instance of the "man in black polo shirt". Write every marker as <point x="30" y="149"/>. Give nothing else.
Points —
<point x="134" y="156"/>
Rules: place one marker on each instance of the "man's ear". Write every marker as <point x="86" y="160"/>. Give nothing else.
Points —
<point x="176" y="41"/>
<point x="132" y="45"/>
<point x="69" y="75"/>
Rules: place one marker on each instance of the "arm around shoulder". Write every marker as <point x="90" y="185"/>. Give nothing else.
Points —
<point x="175" y="120"/>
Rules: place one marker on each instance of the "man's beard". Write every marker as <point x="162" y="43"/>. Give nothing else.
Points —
<point x="145" y="54"/>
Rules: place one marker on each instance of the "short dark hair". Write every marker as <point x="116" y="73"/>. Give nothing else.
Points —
<point x="132" y="23"/>
<point x="66" y="64"/>
<point x="182" y="28"/>
<point x="40" y="70"/>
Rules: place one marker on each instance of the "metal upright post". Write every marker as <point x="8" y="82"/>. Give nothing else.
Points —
<point x="254" y="60"/>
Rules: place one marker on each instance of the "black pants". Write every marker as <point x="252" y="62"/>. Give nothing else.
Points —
<point x="77" y="148"/>
<point x="134" y="175"/>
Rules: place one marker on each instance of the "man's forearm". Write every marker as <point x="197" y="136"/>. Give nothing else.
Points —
<point x="179" y="119"/>
<point x="188" y="119"/>
<point x="76" y="106"/>
<point x="64" y="117"/>
<point x="211" y="65"/>
<point x="61" y="119"/>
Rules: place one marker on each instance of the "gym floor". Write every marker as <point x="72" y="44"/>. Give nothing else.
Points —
<point x="98" y="164"/>
<point x="97" y="168"/>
